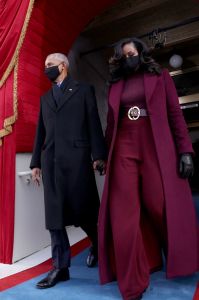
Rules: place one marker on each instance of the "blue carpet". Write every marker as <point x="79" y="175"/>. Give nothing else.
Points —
<point x="84" y="285"/>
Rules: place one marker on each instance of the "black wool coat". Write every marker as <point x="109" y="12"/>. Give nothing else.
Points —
<point x="69" y="137"/>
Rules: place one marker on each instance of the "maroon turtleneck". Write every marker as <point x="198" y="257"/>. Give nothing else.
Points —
<point x="133" y="93"/>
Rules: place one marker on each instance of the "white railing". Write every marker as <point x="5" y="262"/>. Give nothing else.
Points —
<point x="26" y="176"/>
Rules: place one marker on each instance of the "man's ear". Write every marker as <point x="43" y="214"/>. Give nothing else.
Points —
<point x="65" y="65"/>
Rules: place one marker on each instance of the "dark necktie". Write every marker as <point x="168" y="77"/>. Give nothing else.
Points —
<point x="57" y="93"/>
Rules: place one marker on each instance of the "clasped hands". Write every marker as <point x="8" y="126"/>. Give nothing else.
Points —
<point x="100" y="166"/>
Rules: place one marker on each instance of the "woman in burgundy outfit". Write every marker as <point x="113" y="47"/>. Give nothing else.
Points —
<point x="147" y="205"/>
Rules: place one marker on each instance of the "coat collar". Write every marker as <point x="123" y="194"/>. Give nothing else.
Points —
<point x="68" y="90"/>
<point x="150" y="81"/>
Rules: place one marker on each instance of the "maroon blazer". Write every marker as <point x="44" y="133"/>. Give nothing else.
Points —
<point x="171" y="139"/>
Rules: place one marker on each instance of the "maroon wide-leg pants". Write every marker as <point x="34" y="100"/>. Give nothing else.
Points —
<point x="135" y="186"/>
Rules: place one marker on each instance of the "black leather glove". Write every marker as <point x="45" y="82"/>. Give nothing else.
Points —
<point x="186" y="167"/>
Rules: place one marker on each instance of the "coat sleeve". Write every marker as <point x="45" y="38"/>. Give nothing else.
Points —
<point x="39" y="141"/>
<point x="98" y="145"/>
<point x="109" y="126"/>
<point x="176" y="119"/>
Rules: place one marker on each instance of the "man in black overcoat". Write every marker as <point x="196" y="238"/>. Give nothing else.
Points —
<point x="69" y="146"/>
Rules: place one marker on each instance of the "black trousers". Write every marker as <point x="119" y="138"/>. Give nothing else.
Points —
<point x="60" y="246"/>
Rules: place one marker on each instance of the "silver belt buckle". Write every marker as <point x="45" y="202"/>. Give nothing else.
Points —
<point x="134" y="113"/>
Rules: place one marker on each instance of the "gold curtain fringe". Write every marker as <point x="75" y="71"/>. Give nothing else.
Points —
<point x="5" y="132"/>
<point x="8" y="122"/>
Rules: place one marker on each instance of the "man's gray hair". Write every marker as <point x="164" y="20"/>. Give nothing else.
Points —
<point x="59" y="56"/>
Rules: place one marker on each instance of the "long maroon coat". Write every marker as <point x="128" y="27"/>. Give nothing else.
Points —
<point x="171" y="139"/>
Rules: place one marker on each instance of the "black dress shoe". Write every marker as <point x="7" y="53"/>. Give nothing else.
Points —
<point x="92" y="257"/>
<point x="53" y="277"/>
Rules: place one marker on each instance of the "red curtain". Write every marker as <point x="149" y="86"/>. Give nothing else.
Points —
<point x="7" y="176"/>
<point x="12" y="16"/>
<point x="13" y="23"/>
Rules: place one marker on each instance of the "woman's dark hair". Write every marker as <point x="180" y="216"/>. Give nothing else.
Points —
<point x="147" y="63"/>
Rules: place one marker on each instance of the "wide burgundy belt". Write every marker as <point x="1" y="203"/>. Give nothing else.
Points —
<point x="133" y="113"/>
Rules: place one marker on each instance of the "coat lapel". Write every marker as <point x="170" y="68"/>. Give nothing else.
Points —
<point x="150" y="81"/>
<point x="50" y="100"/>
<point x="114" y="97"/>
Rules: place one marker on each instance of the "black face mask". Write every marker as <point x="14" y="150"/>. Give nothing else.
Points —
<point x="130" y="64"/>
<point x="52" y="72"/>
